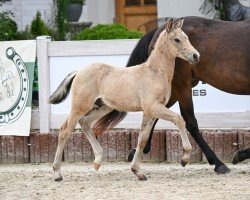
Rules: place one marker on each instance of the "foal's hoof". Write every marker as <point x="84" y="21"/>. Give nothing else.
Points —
<point x="96" y="166"/>
<point x="58" y="179"/>
<point x="131" y="155"/>
<point x="142" y="177"/>
<point x="223" y="169"/>
<point x="183" y="163"/>
<point x="139" y="175"/>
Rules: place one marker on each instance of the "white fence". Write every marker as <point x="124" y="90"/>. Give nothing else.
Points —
<point x="58" y="58"/>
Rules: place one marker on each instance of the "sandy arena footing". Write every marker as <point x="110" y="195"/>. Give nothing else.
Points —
<point x="116" y="181"/>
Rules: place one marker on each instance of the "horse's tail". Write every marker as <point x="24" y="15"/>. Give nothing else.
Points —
<point x="138" y="56"/>
<point x="63" y="90"/>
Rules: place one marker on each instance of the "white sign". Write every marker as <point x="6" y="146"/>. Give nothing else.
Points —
<point x="17" y="62"/>
<point x="207" y="99"/>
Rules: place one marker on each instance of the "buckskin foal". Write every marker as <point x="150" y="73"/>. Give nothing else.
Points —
<point x="100" y="88"/>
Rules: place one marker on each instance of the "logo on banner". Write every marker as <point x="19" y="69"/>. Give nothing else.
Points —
<point x="14" y="87"/>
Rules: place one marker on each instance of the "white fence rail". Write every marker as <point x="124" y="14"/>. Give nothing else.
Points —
<point x="58" y="58"/>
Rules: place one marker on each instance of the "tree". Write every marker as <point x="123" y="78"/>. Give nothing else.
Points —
<point x="207" y="8"/>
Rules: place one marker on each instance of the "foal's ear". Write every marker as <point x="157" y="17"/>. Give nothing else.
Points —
<point x="179" y="23"/>
<point x="170" y="25"/>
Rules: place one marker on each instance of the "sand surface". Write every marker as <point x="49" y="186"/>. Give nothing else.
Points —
<point x="116" y="181"/>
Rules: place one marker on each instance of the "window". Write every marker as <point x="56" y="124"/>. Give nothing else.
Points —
<point x="150" y="2"/>
<point x="132" y="2"/>
<point x="140" y="2"/>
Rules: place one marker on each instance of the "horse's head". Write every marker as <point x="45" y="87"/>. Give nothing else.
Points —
<point x="177" y="42"/>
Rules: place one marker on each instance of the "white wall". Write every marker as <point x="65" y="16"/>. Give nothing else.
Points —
<point x="103" y="11"/>
<point x="25" y="10"/>
<point x="216" y="109"/>
<point x="99" y="11"/>
<point x="6" y="6"/>
<point x="96" y="11"/>
<point x="178" y="8"/>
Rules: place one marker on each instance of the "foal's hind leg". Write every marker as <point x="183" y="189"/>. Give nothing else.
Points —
<point x="160" y="111"/>
<point x="85" y="123"/>
<point x="78" y="110"/>
<point x="142" y="140"/>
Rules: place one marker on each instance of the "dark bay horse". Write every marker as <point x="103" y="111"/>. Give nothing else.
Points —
<point x="224" y="64"/>
<point x="241" y="155"/>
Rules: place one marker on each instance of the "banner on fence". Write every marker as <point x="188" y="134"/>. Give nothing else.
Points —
<point x="17" y="63"/>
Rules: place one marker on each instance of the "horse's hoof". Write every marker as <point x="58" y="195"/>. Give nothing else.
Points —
<point x="183" y="163"/>
<point x="236" y="158"/>
<point x="223" y="169"/>
<point x="58" y="179"/>
<point x="96" y="166"/>
<point x="131" y="155"/>
<point x="142" y="177"/>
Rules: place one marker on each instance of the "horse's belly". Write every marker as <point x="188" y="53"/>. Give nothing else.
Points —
<point x="122" y="104"/>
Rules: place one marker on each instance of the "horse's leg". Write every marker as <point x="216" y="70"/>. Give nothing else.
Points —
<point x="86" y="122"/>
<point x="81" y="104"/>
<point x="143" y="137"/>
<point x="161" y="112"/>
<point x="148" y="144"/>
<point x="187" y="112"/>
<point x="241" y="155"/>
<point x="66" y="129"/>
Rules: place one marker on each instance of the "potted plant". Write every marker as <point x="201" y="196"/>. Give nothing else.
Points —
<point x="74" y="9"/>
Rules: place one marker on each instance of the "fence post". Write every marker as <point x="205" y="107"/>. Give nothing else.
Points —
<point x="43" y="82"/>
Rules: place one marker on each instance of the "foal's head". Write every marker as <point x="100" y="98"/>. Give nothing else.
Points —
<point x="177" y="42"/>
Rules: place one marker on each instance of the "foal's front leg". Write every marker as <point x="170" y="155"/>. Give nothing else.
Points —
<point x="142" y="140"/>
<point x="160" y="111"/>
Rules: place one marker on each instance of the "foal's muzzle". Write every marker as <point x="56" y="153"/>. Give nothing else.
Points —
<point x="194" y="57"/>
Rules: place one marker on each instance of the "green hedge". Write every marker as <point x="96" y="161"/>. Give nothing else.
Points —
<point x="8" y="27"/>
<point x="107" y="31"/>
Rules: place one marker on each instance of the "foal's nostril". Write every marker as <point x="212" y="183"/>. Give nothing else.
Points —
<point x="196" y="59"/>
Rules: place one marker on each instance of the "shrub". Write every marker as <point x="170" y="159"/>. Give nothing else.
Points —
<point x="207" y="8"/>
<point x="24" y="35"/>
<point x="107" y="31"/>
<point x="38" y="26"/>
<point x="8" y="27"/>
<point x="61" y="21"/>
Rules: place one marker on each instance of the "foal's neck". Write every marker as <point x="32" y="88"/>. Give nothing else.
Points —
<point x="161" y="60"/>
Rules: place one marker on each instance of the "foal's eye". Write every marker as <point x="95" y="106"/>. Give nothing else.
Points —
<point x="176" y="40"/>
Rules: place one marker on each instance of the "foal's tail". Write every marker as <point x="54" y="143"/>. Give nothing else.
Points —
<point x="63" y="90"/>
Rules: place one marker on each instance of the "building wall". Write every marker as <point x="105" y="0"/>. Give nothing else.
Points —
<point x="25" y="11"/>
<point x="95" y="11"/>
<point x="99" y="12"/>
<point x="180" y="8"/>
